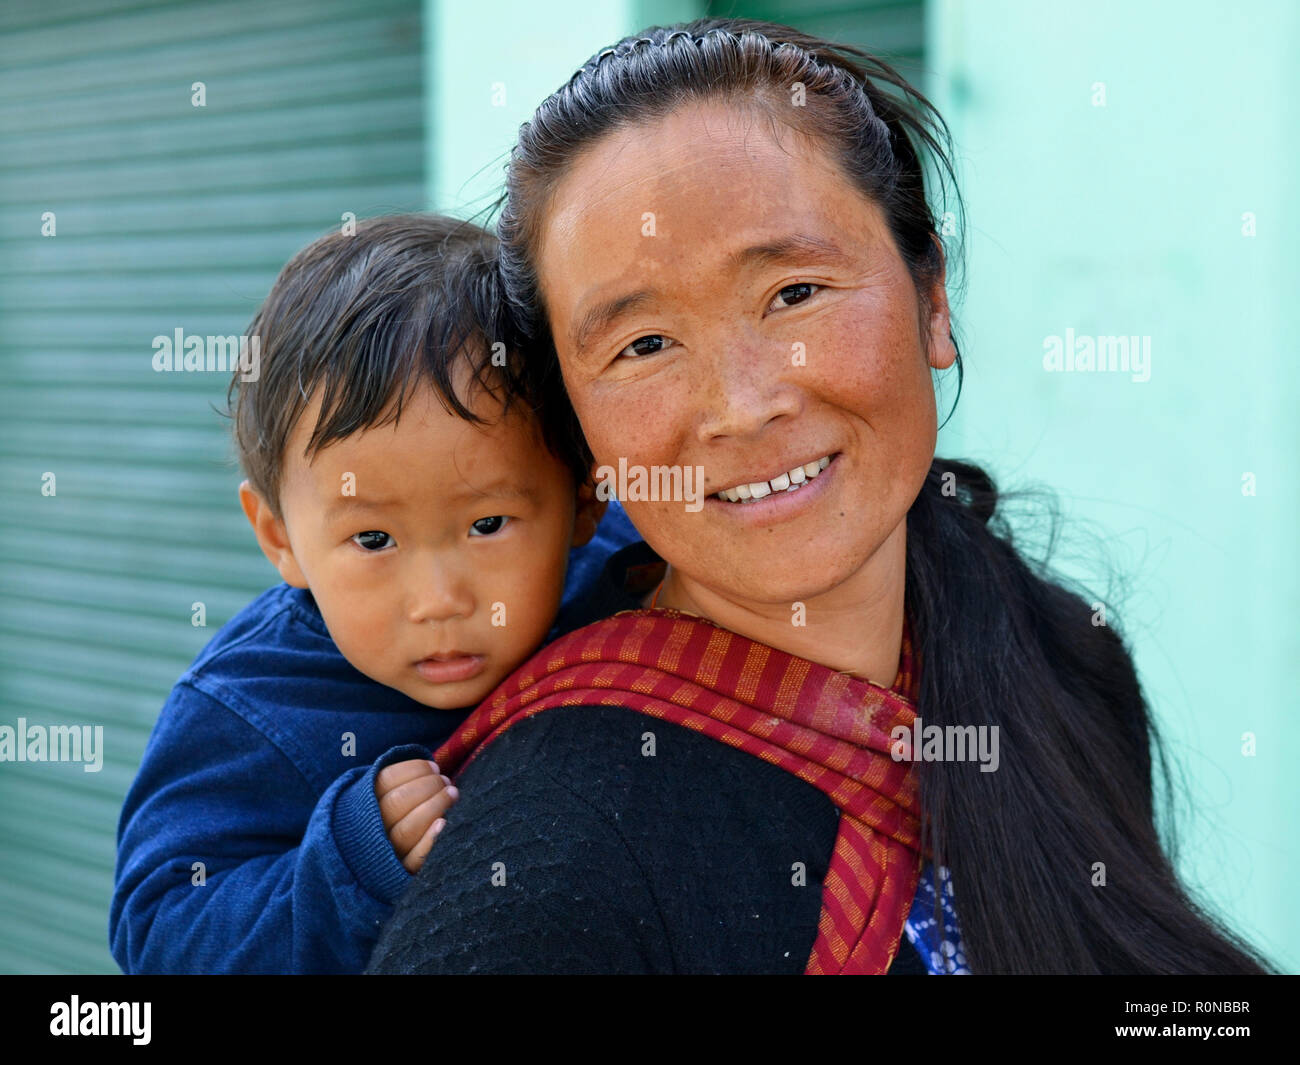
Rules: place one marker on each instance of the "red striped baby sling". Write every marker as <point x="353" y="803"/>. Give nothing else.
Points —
<point x="828" y="729"/>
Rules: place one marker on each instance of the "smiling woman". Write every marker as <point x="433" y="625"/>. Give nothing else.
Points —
<point x="762" y="250"/>
<point x="719" y="239"/>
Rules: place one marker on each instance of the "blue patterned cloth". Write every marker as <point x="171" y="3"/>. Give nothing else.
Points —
<point x="938" y="942"/>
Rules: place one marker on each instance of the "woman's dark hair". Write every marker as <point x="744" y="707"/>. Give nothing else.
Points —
<point x="1056" y="859"/>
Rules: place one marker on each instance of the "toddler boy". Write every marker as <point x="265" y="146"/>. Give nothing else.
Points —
<point x="422" y="518"/>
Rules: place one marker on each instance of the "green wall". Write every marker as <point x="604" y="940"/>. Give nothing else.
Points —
<point x="1127" y="219"/>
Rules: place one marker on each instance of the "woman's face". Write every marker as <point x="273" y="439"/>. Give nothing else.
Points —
<point x="722" y="297"/>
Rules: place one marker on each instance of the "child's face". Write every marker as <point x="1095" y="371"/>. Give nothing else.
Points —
<point x="435" y="549"/>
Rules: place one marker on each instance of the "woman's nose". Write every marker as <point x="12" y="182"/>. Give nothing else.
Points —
<point x="749" y="382"/>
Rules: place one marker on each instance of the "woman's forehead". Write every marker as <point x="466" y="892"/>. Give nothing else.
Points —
<point x="686" y="154"/>
<point x="695" y="189"/>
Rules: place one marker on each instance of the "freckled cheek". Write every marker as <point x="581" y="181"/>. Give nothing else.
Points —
<point x="876" y="370"/>
<point x="636" y="421"/>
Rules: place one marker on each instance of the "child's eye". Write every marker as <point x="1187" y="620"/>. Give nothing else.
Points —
<point x="651" y="344"/>
<point x="488" y="526"/>
<point x="792" y="294"/>
<point x="372" y="540"/>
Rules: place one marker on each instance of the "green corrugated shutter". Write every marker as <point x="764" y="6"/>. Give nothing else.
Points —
<point x="891" y="29"/>
<point x="167" y="216"/>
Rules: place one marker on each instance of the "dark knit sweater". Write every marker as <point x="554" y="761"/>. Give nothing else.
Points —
<point x="573" y="851"/>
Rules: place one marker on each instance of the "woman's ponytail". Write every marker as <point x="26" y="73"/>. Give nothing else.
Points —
<point x="1055" y="858"/>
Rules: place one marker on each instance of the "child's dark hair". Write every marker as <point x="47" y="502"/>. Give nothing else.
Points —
<point x="365" y="318"/>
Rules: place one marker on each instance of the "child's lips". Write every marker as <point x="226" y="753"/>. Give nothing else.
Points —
<point x="450" y="668"/>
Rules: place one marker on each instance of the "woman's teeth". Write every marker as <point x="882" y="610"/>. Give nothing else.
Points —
<point x="790" y="481"/>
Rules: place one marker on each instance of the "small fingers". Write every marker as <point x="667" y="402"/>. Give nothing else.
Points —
<point x="400" y="772"/>
<point x="414" y="861"/>
<point x="408" y="795"/>
<point x="408" y="832"/>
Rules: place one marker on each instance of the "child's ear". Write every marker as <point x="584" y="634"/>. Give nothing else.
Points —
<point x="590" y="511"/>
<point x="272" y="537"/>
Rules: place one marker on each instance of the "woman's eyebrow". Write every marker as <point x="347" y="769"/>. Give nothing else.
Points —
<point x="603" y="314"/>
<point x="783" y="249"/>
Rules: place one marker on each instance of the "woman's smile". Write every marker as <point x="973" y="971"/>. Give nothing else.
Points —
<point x="782" y="498"/>
<point x="791" y="480"/>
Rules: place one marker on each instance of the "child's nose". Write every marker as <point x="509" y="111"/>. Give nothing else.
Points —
<point x="441" y="594"/>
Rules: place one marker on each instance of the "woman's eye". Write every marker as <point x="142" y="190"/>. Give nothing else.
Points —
<point x="372" y="540"/>
<point x="792" y="294"/>
<point x="646" y="345"/>
<point x="488" y="526"/>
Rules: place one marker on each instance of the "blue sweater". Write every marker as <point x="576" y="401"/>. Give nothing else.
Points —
<point x="251" y="840"/>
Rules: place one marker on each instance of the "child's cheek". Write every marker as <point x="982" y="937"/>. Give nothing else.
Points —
<point x="363" y="621"/>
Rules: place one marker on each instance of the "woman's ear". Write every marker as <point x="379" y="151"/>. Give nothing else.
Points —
<point x="942" y="352"/>
<point x="272" y="537"/>
<point x="589" y="512"/>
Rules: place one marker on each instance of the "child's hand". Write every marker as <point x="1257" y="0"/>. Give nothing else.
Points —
<point x="413" y="796"/>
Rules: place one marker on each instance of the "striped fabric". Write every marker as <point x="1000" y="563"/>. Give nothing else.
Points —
<point x="824" y="727"/>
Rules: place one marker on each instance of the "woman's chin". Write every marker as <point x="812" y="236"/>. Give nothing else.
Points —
<point x="783" y="575"/>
